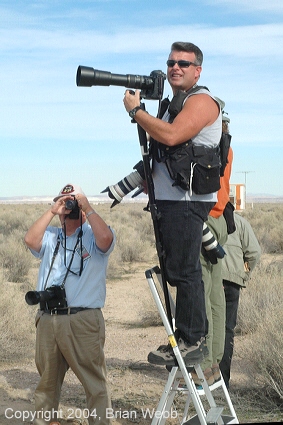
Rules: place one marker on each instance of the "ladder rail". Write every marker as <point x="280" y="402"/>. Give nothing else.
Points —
<point x="188" y="380"/>
<point x="198" y="369"/>
<point x="206" y="390"/>
<point x="214" y="415"/>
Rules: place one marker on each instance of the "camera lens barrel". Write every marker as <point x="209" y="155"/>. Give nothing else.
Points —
<point x="87" y="77"/>
<point x="32" y="297"/>
<point x="126" y="185"/>
<point x="70" y="204"/>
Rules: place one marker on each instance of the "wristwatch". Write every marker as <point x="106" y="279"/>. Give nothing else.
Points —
<point x="133" y="112"/>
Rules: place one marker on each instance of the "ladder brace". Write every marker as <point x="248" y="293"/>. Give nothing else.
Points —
<point x="214" y="414"/>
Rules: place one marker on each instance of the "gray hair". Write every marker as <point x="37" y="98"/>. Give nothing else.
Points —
<point x="181" y="46"/>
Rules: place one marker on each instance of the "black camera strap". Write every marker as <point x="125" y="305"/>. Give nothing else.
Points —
<point x="56" y="250"/>
<point x="79" y="239"/>
<point x="52" y="261"/>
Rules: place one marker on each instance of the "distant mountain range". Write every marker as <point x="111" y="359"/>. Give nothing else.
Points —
<point x="102" y="198"/>
<point x="95" y="199"/>
<point x="263" y="198"/>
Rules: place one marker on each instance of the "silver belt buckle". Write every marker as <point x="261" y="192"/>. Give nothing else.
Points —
<point x="53" y="312"/>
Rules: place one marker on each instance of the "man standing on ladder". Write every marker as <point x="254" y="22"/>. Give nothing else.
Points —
<point x="185" y="191"/>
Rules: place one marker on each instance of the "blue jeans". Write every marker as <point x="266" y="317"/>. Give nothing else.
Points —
<point x="181" y="227"/>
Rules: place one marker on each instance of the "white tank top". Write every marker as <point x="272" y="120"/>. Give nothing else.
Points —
<point x="208" y="136"/>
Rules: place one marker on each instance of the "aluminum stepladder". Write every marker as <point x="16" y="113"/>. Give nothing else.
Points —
<point x="212" y="415"/>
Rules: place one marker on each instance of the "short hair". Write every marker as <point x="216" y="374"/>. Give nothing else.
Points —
<point x="181" y="46"/>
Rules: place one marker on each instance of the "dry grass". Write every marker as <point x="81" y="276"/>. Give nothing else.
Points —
<point x="260" y="318"/>
<point x="17" y="334"/>
<point x="266" y="220"/>
<point x="261" y="304"/>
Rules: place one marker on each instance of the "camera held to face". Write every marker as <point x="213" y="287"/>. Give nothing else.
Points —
<point x="72" y="204"/>
<point x="52" y="297"/>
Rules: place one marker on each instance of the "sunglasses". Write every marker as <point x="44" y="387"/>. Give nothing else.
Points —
<point x="182" y="64"/>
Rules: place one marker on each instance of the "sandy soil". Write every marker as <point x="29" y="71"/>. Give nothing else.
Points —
<point x="134" y="384"/>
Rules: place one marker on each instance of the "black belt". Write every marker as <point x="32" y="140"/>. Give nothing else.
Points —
<point x="67" y="310"/>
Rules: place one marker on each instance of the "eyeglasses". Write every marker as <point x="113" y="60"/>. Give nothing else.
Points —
<point x="181" y="63"/>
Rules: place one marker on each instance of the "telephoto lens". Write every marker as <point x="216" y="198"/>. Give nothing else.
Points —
<point x="151" y="86"/>
<point x="126" y="185"/>
<point x="211" y="249"/>
<point x="88" y="77"/>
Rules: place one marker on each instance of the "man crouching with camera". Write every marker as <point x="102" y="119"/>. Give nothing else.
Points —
<point x="71" y="291"/>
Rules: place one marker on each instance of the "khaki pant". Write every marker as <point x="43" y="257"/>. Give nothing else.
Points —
<point x="75" y="341"/>
<point x="214" y="297"/>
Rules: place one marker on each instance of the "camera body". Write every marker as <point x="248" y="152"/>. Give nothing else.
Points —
<point x="151" y="86"/>
<point x="52" y="297"/>
<point x="72" y="204"/>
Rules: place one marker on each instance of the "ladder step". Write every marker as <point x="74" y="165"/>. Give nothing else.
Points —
<point x="229" y="419"/>
<point x="213" y="415"/>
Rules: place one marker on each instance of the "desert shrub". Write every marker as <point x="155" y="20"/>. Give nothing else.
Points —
<point x="15" y="260"/>
<point x="115" y="265"/>
<point x="149" y="315"/>
<point x="134" y="231"/>
<point x="17" y="333"/>
<point x="143" y="222"/>
<point x="261" y="316"/>
<point x="264" y="291"/>
<point x="267" y="365"/>
<point x="14" y="257"/>
<point x="19" y="216"/>
<point x="266" y="220"/>
<point x="132" y="245"/>
<point x="10" y="222"/>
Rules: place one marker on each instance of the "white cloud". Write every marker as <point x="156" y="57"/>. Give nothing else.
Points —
<point x="253" y="6"/>
<point x="248" y="40"/>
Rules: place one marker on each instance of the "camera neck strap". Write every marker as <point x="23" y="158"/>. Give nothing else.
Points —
<point x="52" y="261"/>
<point x="56" y="250"/>
<point x="79" y="239"/>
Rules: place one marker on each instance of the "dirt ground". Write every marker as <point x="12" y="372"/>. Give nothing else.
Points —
<point x="135" y="385"/>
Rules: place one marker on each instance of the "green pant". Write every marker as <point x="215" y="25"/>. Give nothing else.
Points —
<point x="74" y="341"/>
<point x="214" y="297"/>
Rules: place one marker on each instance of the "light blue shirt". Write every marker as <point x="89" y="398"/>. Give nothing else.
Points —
<point x="87" y="290"/>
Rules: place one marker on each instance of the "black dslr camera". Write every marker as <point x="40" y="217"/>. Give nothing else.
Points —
<point x="52" y="297"/>
<point x="72" y="204"/>
<point x="151" y="86"/>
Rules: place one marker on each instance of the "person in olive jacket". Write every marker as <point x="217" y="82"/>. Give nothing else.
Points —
<point x="243" y="253"/>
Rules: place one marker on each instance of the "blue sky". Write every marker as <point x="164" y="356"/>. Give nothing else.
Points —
<point x="53" y="132"/>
